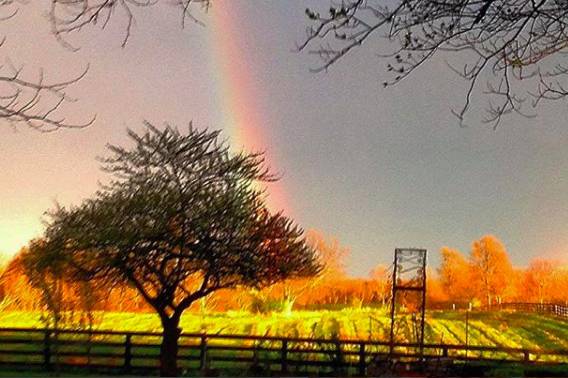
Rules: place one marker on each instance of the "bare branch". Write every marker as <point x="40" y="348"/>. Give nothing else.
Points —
<point x="69" y="16"/>
<point x="515" y="44"/>
<point x="33" y="102"/>
<point x="36" y="103"/>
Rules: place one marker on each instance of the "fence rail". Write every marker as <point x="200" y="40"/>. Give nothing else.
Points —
<point x="129" y="351"/>
<point x="542" y="308"/>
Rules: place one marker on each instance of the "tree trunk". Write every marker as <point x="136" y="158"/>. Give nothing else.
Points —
<point x="169" y="347"/>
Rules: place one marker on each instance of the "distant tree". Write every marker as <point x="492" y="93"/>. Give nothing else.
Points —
<point x="381" y="279"/>
<point x="515" y="46"/>
<point x="63" y="301"/>
<point x="435" y="292"/>
<point x="455" y="276"/>
<point x="17" y="294"/>
<point x="182" y="218"/>
<point x="20" y="290"/>
<point x="560" y="292"/>
<point x="330" y="252"/>
<point x="539" y="279"/>
<point x="491" y="268"/>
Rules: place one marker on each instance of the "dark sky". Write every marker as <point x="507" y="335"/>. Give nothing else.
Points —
<point x="377" y="168"/>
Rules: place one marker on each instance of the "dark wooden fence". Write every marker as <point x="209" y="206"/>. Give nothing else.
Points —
<point x="542" y="308"/>
<point x="136" y="351"/>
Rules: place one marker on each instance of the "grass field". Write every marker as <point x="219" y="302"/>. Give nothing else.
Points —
<point x="506" y="329"/>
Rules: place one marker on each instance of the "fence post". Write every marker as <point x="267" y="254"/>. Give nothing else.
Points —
<point x="445" y="351"/>
<point x="338" y="359"/>
<point x="527" y="356"/>
<point x="203" y="353"/>
<point x="128" y="352"/>
<point x="362" y="363"/>
<point x="47" y="349"/>
<point x="284" y="357"/>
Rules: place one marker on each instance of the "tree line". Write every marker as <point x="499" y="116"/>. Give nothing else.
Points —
<point x="484" y="277"/>
<point x="487" y="277"/>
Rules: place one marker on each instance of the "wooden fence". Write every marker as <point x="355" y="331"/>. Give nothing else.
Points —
<point x="139" y="351"/>
<point x="542" y="308"/>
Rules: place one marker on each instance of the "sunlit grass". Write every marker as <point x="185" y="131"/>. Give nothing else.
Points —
<point x="449" y="327"/>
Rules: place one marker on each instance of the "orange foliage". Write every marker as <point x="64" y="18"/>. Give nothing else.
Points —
<point x="455" y="276"/>
<point x="16" y="293"/>
<point x="489" y="277"/>
<point x="381" y="276"/>
<point x="331" y="254"/>
<point x="485" y="276"/>
<point x="539" y="279"/>
<point x="435" y="292"/>
<point x="15" y="289"/>
<point x="491" y="269"/>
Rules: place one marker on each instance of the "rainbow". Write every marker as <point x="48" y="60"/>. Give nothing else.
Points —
<point x="239" y="99"/>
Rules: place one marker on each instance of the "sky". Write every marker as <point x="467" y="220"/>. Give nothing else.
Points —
<point x="377" y="168"/>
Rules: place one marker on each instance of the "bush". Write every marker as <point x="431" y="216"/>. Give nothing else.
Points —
<point x="262" y="305"/>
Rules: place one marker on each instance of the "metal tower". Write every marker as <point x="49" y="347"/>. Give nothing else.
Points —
<point x="408" y="294"/>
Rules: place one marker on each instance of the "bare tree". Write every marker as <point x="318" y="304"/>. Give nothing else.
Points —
<point x="515" y="47"/>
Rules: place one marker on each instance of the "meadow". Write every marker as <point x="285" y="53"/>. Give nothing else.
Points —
<point x="503" y="329"/>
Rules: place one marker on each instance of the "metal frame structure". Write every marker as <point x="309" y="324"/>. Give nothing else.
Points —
<point x="409" y="275"/>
